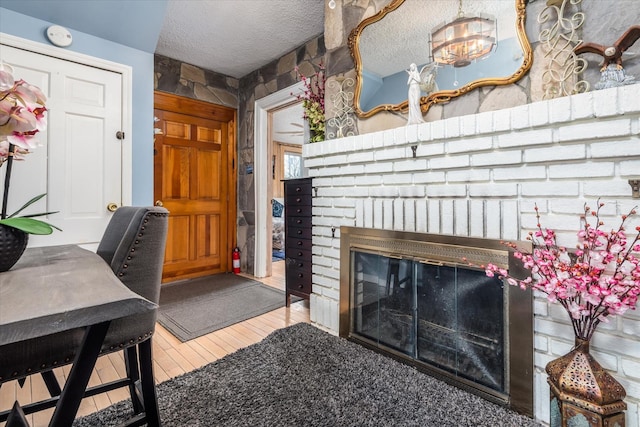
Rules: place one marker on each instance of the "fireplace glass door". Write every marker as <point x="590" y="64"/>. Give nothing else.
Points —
<point x="450" y="317"/>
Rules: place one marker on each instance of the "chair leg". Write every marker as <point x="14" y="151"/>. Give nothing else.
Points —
<point x="51" y="382"/>
<point x="133" y="374"/>
<point x="148" y="384"/>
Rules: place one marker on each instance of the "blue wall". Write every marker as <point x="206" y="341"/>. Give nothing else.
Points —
<point x="141" y="63"/>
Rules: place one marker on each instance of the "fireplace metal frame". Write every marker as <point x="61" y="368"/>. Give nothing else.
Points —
<point x="453" y="250"/>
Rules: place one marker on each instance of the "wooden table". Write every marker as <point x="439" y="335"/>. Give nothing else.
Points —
<point x="58" y="288"/>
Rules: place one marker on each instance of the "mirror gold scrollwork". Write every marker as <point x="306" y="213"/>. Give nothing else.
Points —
<point x="384" y="45"/>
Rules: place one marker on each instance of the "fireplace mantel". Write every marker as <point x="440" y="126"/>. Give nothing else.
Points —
<point x="480" y="176"/>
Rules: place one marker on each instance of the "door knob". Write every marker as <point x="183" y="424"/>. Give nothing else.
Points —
<point x="111" y="207"/>
<point x="159" y="203"/>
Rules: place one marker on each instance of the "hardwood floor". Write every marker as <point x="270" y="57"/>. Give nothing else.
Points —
<point x="171" y="357"/>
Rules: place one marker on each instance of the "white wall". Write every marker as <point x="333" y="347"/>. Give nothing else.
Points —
<point x="480" y="175"/>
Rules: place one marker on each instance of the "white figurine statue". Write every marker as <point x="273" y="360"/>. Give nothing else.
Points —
<point x="420" y="81"/>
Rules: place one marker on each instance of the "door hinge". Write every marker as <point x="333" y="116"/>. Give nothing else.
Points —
<point x="120" y="135"/>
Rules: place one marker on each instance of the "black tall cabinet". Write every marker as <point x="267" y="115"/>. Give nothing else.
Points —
<point x="297" y="217"/>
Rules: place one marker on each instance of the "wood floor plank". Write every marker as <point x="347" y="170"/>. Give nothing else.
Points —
<point x="213" y="347"/>
<point x="235" y="343"/>
<point x="159" y="374"/>
<point x="204" y="354"/>
<point x="7" y="395"/>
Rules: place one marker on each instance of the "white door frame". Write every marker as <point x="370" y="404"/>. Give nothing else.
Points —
<point x="127" y="83"/>
<point x="261" y="170"/>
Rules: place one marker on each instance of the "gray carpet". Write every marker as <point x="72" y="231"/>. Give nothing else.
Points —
<point x="191" y="308"/>
<point x="302" y="376"/>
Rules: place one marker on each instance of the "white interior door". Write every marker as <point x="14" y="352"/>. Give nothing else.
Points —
<point x="79" y="161"/>
<point x="262" y="173"/>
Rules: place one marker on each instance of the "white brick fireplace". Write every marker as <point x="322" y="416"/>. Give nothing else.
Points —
<point x="479" y="176"/>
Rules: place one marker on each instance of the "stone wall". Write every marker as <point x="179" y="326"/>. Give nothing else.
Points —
<point x="277" y="75"/>
<point x="179" y="78"/>
<point x="480" y="176"/>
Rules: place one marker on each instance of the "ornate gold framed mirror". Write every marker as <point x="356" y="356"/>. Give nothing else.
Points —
<point x="444" y="32"/>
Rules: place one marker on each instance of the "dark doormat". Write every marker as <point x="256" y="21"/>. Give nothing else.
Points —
<point x="195" y="307"/>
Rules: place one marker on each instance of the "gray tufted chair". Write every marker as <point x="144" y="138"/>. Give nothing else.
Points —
<point x="133" y="245"/>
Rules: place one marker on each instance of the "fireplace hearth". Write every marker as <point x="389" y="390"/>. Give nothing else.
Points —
<point x="412" y="296"/>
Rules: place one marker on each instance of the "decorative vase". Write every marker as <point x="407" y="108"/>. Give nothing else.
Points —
<point x="308" y="133"/>
<point x="583" y="393"/>
<point x="311" y="134"/>
<point x="13" y="242"/>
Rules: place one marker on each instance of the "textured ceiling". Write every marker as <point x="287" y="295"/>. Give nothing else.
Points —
<point x="232" y="37"/>
<point x="236" y="37"/>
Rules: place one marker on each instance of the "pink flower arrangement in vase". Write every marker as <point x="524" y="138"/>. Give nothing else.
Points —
<point x="313" y="103"/>
<point x="600" y="278"/>
<point x="22" y="108"/>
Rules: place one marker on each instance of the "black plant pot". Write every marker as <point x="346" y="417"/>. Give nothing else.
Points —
<point x="13" y="242"/>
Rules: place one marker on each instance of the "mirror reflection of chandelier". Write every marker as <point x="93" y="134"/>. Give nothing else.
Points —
<point x="463" y="40"/>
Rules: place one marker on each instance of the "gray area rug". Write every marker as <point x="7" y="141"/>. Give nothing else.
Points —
<point x="191" y="308"/>
<point x="302" y="376"/>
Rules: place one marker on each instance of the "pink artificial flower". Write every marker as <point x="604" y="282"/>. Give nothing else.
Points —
<point x="26" y="141"/>
<point x="591" y="298"/>
<point x="4" y="151"/>
<point x="22" y="108"/>
<point x="599" y="279"/>
<point x="6" y="82"/>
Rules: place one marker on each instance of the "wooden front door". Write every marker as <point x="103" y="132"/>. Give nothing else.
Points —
<point x="195" y="180"/>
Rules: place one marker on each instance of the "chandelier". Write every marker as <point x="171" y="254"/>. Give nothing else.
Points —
<point x="463" y="40"/>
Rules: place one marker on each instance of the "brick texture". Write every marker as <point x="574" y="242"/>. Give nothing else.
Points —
<point x="481" y="176"/>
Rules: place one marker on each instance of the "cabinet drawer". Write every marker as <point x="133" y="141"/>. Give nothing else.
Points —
<point x="300" y="187"/>
<point x="299" y="221"/>
<point x="296" y="264"/>
<point x="295" y="200"/>
<point x="298" y="211"/>
<point x="295" y="244"/>
<point x="297" y="283"/>
<point x="298" y="233"/>
<point x="298" y="254"/>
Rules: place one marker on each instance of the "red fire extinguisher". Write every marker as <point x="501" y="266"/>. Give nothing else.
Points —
<point x="235" y="256"/>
